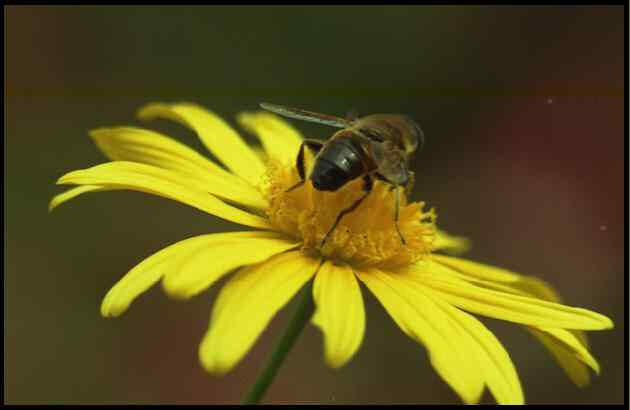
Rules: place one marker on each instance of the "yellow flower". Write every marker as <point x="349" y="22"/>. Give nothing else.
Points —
<point x="427" y="294"/>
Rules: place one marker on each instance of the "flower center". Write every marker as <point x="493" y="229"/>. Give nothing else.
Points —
<point x="367" y="236"/>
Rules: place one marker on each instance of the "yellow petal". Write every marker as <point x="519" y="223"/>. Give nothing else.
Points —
<point x="572" y="361"/>
<point x="149" y="147"/>
<point x="508" y="306"/>
<point x="485" y="274"/>
<point x="72" y="193"/>
<point x="280" y="139"/>
<point x="209" y="264"/>
<point x="340" y="314"/>
<point x="569" y="352"/>
<point x="536" y="287"/>
<point x="260" y="152"/>
<point x="495" y="363"/>
<point x="419" y="318"/>
<point x="505" y="280"/>
<point x="541" y="289"/>
<point x="150" y="270"/>
<point x="516" y="284"/>
<point x="157" y="181"/>
<point x="216" y="135"/>
<point x="247" y="303"/>
<point x="448" y="243"/>
<point x="477" y="270"/>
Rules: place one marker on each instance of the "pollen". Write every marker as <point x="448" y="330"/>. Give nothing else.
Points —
<point x="366" y="236"/>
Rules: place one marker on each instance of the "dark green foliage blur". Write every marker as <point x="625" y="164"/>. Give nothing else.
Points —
<point x="523" y="112"/>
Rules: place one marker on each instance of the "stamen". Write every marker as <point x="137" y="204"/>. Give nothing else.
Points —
<point x="373" y="234"/>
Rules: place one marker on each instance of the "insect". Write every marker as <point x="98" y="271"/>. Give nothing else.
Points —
<point x="377" y="146"/>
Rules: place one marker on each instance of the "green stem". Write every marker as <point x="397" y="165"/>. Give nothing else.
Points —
<point x="301" y="316"/>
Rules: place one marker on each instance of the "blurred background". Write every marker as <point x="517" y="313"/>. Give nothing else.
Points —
<point x="523" y="109"/>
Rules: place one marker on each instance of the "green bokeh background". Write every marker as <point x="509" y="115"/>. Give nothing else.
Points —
<point x="523" y="110"/>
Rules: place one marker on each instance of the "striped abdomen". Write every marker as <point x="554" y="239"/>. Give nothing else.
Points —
<point x="339" y="162"/>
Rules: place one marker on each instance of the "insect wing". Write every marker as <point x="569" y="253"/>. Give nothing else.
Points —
<point x="310" y="116"/>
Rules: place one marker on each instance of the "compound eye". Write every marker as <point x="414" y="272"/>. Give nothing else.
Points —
<point x="415" y="138"/>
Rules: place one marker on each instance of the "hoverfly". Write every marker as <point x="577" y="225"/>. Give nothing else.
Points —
<point x="376" y="146"/>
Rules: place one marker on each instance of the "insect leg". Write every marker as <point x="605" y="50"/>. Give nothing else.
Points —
<point x="313" y="145"/>
<point x="397" y="213"/>
<point x="410" y="182"/>
<point x="392" y="187"/>
<point x="367" y="188"/>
